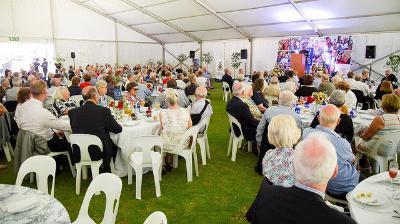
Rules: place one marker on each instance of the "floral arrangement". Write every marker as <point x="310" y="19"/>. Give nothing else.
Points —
<point x="393" y="62"/>
<point x="159" y="62"/>
<point x="235" y="60"/>
<point x="277" y="71"/>
<point x="181" y="58"/>
<point x="319" y="97"/>
<point x="150" y="63"/>
<point x="207" y="58"/>
<point x="59" y="60"/>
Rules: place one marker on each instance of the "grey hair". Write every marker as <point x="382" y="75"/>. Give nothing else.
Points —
<point x="240" y="77"/>
<point x="274" y="80"/>
<point x="329" y="114"/>
<point x="314" y="160"/>
<point x="17" y="81"/>
<point x="237" y="89"/>
<point x="101" y="83"/>
<point x="337" y="98"/>
<point x="55" y="82"/>
<point x="291" y="86"/>
<point x="286" y="98"/>
<point x="201" y="91"/>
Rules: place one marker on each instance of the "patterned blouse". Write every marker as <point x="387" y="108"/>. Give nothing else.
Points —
<point x="278" y="166"/>
<point x="59" y="106"/>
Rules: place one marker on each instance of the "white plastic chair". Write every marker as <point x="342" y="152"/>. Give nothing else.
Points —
<point x="66" y="153"/>
<point x="227" y="91"/>
<point x="8" y="151"/>
<point x="388" y="140"/>
<point x="202" y="140"/>
<point x="187" y="152"/>
<point x="43" y="167"/>
<point x="271" y="99"/>
<point x="111" y="185"/>
<point x="235" y="141"/>
<point x="156" y="218"/>
<point x="146" y="158"/>
<point x="77" y="99"/>
<point x="83" y="141"/>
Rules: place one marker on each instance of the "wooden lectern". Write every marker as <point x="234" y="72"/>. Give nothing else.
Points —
<point x="298" y="63"/>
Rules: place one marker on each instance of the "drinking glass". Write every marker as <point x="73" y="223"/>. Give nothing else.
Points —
<point x="359" y="106"/>
<point x="393" y="168"/>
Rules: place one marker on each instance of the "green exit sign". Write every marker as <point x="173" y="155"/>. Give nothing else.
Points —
<point x="13" y="38"/>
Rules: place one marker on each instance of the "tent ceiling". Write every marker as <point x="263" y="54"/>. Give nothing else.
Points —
<point x="190" y="20"/>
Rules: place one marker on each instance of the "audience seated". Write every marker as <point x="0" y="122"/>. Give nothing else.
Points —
<point x="174" y="121"/>
<point x="191" y="88"/>
<point x="248" y="93"/>
<point x="277" y="166"/>
<point x="201" y="108"/>
<point x="258" y="95"/>
<point x="314" y="162"/>
<point x="238" y="109"/>
<point x="104" y="99"/>
<point x="33" y="117"/>
<point x="307" y="89"/>
<point x="142" y="92"/>
<point x="23" y="95"/>
<point x="345" y="127"/>
<point x="201" y="80"/>
<point x="326" y="86"/>
<point x="5" y="85"/>
<point x="55" y="84"/>
<point x="351" y="99"/>
<point x="74" y="89"/>
<point x="86" y="81"/>
<point x="182" y="99"/>
<point x="11" y="94"/>
<point x="95" y="120"/>
<point x="227" y="77"/>
<point x="179" y="81"/>
<point x="384" y="88"/>
<point x="318" y="79"/>
<point x="62" y="102"/>
<point x="347" y="177"/>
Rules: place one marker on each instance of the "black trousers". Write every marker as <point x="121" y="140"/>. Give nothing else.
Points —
<point x="57" y="144"/>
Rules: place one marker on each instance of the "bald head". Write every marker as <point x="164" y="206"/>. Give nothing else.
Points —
<point x="329" y="116"/>
<point x="237" y="89"/>
<point x="286" y="98"/>
<point x="89" y="93"/>
<point x="201" y="92"/>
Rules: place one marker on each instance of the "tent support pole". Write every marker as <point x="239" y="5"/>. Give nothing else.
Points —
<point x="251" y="55"/>
<point x="163" y="54"/>
<point x="116" y="42"/>
<point x="201" y="53"/>
<point x="53" y="27"/>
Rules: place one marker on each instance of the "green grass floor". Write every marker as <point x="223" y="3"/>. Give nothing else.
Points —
<point x="221" y="194"/>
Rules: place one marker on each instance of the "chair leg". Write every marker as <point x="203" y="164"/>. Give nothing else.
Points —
<point x="230" y="144"/>
<point x="31" y="177"/>
<point x="156" y="176"/>
<point x="234" y="149"/>
<point x="208" y="148"/>
<point x="7" y="152"/>
<point x="78" y="178"/>
<point x="84" y="172"/>
<point x="10" y="148"/>
<point x="196" y="163"/>
<point x="203" y="151"/>
<point x="249" y="146"/>
<point x="70" y="165"/>
<point x="175" y="159"/>
<point x="129" y="174"/>
<point x="139" y="173"/>
<point x="189" y="167"/>
<point x="95" y="172"/>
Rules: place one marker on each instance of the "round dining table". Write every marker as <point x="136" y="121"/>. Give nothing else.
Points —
<point x="25" y="205"/>
<point x="379" y="186"/>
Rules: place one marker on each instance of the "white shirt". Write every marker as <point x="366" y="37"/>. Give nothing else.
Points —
<point x="52" y="91"/>
<point x="201" y="81"/>
<point x="359" y="86"/>
<point x="32" y="116"/>
<point x="181" y="84"/>
<point x="198" y="106"/>
<point x="351" y="100"/>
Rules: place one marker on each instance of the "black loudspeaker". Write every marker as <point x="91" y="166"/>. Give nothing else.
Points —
<point x="192" y="54"/>
<point x="72" y="54"/>
<point x="370" y="51"/>
<point x="243" y="54"/>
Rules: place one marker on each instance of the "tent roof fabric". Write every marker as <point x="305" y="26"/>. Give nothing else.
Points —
<point x="196" y="20"/>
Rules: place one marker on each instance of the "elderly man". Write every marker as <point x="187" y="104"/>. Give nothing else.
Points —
<point x="273" y="89"/>
<point x="179" y="81"/>
<point x="182" y="99"/>
<point x="143" y="92"/>
<point x="11" y="94"/>
<point x="286" y="98"/>
<point x="5" y="85"/>
<point x="239" y="109"/>
<point x="227" y="78"/>
<point x="365" y="76"/>
<point x="359" y="85"/>
<point x="55" y="84"/>
<point x="201" y="108"/>
<point x="315" y="162"/>
<point x="35" y="118"/>
<point x="31" y="78"/>
<point x="95" y="120"/>
<point x="348" y="176"/>
<point x="326" y="86"/>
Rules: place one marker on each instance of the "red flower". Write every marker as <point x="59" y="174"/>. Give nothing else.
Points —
<point x="310" y="99"/>
<point x="112" y="103"/>
<point x="120" y="105"/>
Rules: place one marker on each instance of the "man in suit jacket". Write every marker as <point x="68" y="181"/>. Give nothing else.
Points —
<point x="315" y="163"/>
<point x="239" y="109"/>
<point x="95" y="120"/>
<point x="227" y="78"/>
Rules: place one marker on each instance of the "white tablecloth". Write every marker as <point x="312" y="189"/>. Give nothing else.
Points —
<point x="125" y="141"/>
<point x="49" y="210"/>
<point x="364" y="214"/>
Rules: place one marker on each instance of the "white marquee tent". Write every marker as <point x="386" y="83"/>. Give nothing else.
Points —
<point x="134" y="31"/>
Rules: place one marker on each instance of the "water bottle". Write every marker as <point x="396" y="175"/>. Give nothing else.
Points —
<point x="352" y="114"/>
<point x="297" y="109"/>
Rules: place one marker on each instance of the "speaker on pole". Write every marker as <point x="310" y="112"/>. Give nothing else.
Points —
<point x="72" y="54"/>
<point x="243" y="54"/>
<point x="370" y="51"/>
<point x="192" y="54"/>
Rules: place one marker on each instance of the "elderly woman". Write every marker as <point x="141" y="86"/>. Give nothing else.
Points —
<point x="174" y="122"/>
<point x="307" y="89"/>
<point x="110" y="85"/>
<point x="131" y="95"/>
<point x="351" y="99"/>
<point x="23" y="95"/>
<point x="74" y="89"/>
<point x="388" y="122"/>
<point x="385" y="87"/>
<point x="258" y="95"/>
<point x="345" y="127"/>
<point x="104" y="99"/>
<point x="277" y="164"/>
<point x="62" y="102"/>
<point x="248" y="93"/>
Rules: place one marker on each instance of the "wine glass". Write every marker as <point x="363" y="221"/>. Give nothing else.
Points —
<point x="359" y="106"/>
<point x="393" y="168"/>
